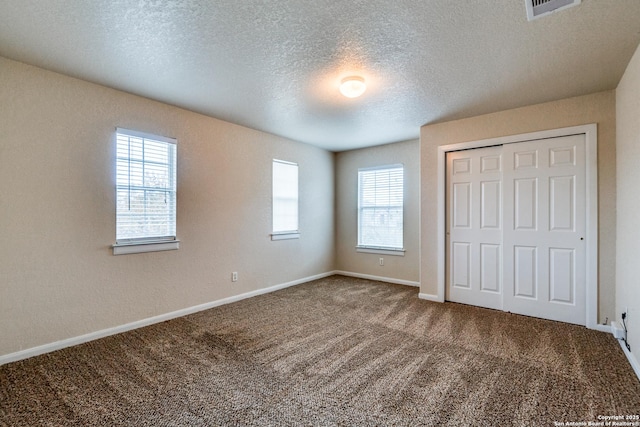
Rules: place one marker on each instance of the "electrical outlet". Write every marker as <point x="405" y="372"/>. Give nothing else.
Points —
<point x="234" y="276"/>
<point x="381" y="261"/>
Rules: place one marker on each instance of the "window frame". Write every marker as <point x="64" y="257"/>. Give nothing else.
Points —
<point x="129" y="245"/>
<point x="373" y="248"/>
<point x="284" y="234"/>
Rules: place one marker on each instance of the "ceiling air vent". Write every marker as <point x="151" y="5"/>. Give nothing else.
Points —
<point x="538" y="8"/>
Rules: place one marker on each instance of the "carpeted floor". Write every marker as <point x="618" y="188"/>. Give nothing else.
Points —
<point x="337" y="351"/>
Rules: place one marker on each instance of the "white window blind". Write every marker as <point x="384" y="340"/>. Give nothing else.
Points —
<point x="285" y="197"/>
<point x="145" y="187"/>
<point x="380" y="207"/>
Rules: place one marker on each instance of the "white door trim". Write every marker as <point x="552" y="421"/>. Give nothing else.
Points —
<point x="591" y="137"/>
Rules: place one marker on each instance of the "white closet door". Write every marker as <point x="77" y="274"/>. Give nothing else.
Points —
<point x="544" y="228"/>
<point x="474" y="227"/>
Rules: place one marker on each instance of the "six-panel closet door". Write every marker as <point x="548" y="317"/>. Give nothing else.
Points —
<point x="516" y="227"/>
<point x="545" y="210"/>
<point x="474" y="227"/>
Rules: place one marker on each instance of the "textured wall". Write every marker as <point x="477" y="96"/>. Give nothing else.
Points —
<point x="597" y="108"/>
<point x="628" y="159"/>
<point x="347" y="165"/>
<point x="58" y="277"/>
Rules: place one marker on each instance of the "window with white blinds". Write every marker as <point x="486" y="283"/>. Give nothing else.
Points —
<point x="145" y="187"/>
<point x="380" y="207"/>
<point x="285" y="197"/>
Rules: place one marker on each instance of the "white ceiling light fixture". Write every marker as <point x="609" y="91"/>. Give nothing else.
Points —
<point x="352" y="87"/>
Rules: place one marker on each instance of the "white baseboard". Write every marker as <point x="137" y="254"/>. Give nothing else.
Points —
<point x="378" y="278"/>
<point x="430" y="297"/>
<point x="601" y="328"/>
<point x="631" y="358"/>
<point x="58" y="345"/>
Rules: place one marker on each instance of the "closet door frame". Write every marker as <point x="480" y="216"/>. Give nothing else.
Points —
<point x="591" y="140"/>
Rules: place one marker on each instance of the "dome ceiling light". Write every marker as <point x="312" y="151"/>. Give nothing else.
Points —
<point x="352" y="87"/>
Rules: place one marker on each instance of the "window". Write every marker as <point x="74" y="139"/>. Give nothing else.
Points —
<point x="145" y="192"/>
<point x="380" y="208"/>
<point x="285" y="200"/>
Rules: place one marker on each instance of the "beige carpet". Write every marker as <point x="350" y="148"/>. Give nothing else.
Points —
<point x="337" y="351"/>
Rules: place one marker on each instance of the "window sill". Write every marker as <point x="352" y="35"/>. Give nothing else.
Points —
<point x="381" y="251"/>
<point x="285" y="236"/>
<point x="137" y="248"/>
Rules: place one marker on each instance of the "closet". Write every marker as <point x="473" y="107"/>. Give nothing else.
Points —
<point x="515" y="228"/>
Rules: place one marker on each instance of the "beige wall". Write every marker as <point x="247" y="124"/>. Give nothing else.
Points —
<point x="58" y="277"/>
<point x="405" y="268"/>
<point x="628" y="161"/>
<point x="597" y="108"/>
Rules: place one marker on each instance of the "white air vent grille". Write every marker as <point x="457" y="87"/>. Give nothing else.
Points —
<point x="538" y="8"/>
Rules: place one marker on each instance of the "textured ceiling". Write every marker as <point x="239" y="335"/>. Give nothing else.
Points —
<point x="276" y="65"/>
